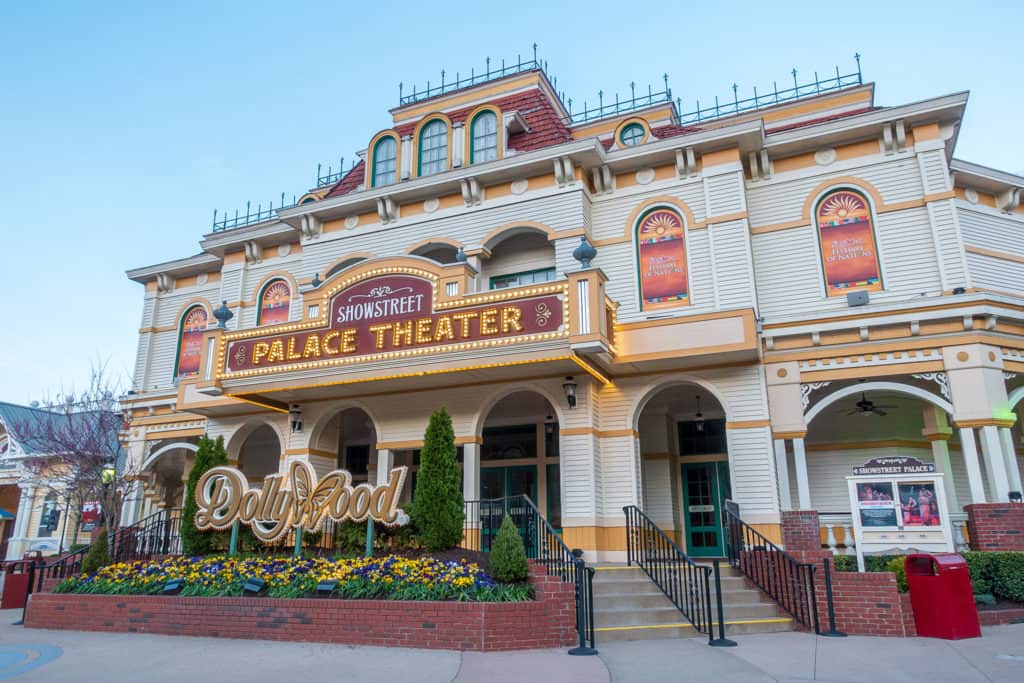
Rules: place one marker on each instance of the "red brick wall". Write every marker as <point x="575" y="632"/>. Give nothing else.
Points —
<point x="548" y="621"/>
<point x="800" y="530"/>
<point x="995" y="526"/>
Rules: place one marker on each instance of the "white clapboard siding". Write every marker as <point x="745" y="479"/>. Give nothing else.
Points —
<point x="934" y="171"/>
<point x="467" y="226"/>
<point x="991" y="230"/>
<point x="751" y="468"/>
<point x="726" y="193"/>
<point x="995" y="273"/>
<point x="951" y="247"/>
<point x="611" y="213"/>
<point x="158" y="372"/>
<point x="782" y="200"/>
<point x="657" y="496"/>
<point x="788" y="267"/>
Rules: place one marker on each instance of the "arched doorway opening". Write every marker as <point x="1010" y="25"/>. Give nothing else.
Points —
<point x="684" y="461"/>
<point x="519" y="453"/>
<point x="351" y="435"/>
<point x="260" y="454"/>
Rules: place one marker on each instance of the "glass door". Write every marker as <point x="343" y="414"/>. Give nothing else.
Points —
<point x="705" y="487"/>
<point x="504" y="482"/>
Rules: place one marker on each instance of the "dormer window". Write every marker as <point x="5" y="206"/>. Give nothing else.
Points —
<point x="484" y="140"/>
<point x="433" y="148"/>
<point x="385" y="161"/>
<point x="632" y="134"/>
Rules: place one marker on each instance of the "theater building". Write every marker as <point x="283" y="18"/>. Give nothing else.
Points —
<point x="639" y="303"/>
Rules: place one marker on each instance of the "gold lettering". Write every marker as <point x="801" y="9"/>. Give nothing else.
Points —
<point x="348" y="340"/>
<point x="400" y="331"/>
<point x="292" y="353"/>
<point x="444" y="329"/>
<point x="464" y="319"/>
<point x="378" y="334"/>
<point x="259" y="350"/>
<point x="312" y="346"/>
<point x="276" y="351"/>
<point x="329" y="337"/>
<point x="511" y="319"/>
<point x="489" y="321"/>
<point x="423" y="330"/>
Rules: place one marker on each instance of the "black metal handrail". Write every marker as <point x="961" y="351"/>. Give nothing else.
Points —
<point x="544" y="545"/>
<point x="683" y="581"/>
<point x="786" y="580"/>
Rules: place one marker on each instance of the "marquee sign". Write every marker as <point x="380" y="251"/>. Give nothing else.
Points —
<point x="392" y="315"/>
<point x="299" y="501"/>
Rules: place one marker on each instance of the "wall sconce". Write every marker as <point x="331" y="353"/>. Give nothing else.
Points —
<point x="698" y="418"/>
<point x="569" y="387"/>
<point x="295" y="413"/>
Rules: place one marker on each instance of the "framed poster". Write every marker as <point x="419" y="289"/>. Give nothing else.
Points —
<point x="849" y="255"/>
<point x="919" y="505"/>
<point x="661" y="260"/>
<point x="876" y="505"/>
<point x="90" y="515"/>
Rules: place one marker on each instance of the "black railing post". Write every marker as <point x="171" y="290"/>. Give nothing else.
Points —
<point x="814" y="598"/>
<point x="831" y="632"/>
<point x="721" y="640"/>
<point x="582" y="601"/>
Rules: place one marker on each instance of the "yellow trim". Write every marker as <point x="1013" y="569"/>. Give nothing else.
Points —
<point x="489" y="238"/>
<point x="662" y="113"/>
<point x="371" y="155"/>
<point x="728" y="622"/>
<point x="468" y="135"/>
<point x="918" y="309"/>
<point x="402" y="115"/>
<point x="986" y="422"/>
<point x="992" y="253"/>
<point x="789" y="435"/>
<point x="414" y="168"/>
<point x="433" y="240"/>
<point x="261" y="404"/>
<point x="592" y="371"/>
<point x="617" y="136"/>
<point x="748" y="424"/>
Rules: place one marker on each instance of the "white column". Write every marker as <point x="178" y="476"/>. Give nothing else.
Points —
<point x="970" y="452"/>
<point x="940" y="456"/>
<point x="15" y="546"/>
<point x="995" y="464"/>
<point x="803" y="484"/>
<point x="385" y="461"/>
<point x="471" y="471"/>
<point x="1010" y="456"/>
<point x="782" y="473"/>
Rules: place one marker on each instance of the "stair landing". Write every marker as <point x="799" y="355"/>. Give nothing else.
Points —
<point x="629" y="606"/>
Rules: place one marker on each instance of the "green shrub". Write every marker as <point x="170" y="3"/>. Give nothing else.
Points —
<point x="350" y="537"/>
<point x="844" y="563"/>
<point x="981" y="567"/>
<point x="438" y="509"/>
<point x="1008" y="576"/>
<point x="508" y="555"/>
<point x="193" y="541"/>
<point x="896" y="566"/>
<point x="984" y="599"/>
<point x="98" y="555"/>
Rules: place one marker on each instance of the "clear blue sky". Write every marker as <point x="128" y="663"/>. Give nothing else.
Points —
<point x="122" y="126"/>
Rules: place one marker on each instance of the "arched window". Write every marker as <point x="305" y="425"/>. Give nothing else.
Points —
<point x="846" y="235"/>
<point x="385" y="161"/>
<point x="484" y="140"/>
<point x="275" y="303"/>
<point x="661" y="259"/>
<point x="433" y="148"/>
<point x="190" y="342"/>
<point x="632" y="134"/>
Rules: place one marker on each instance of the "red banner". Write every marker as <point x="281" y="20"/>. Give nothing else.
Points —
<point x="848" y="252"/>
<point x="394" y="313"/>
<point x="662" y="261"/>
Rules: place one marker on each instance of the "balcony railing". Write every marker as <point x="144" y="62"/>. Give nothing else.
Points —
<point x="222" y="222"/>
<point x="840" y="538"/>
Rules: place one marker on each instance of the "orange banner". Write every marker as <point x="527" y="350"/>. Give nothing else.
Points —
<point x="661" y="257"/>
<point x="849" y="255"/>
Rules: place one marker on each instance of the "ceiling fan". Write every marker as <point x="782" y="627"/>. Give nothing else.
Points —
<point x="866" y="407"/>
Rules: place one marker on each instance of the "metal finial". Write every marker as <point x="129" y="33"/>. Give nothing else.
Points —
<point x="316" y="280"/>
<point x="399" y="91"/>
<point x="735" y="94"/>
<point x="487" y="61"/>
<point x="632" y="89"/>
<point x="794" y="79"/>
<point x="664" y="77"/>
<point x="442" y="79"/>
<point x="535" y="54"/>
<point x="584" y="253"/>
<point x="460" y="255"/>
<point x="223" y="314"/>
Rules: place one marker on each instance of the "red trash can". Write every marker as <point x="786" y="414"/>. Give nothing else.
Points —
<point x="940" y="592"/>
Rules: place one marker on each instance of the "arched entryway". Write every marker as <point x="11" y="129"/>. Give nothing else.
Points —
<point x="684" y="466"/>
<point x="519" y="452"/>
<point x="260" y="454"/>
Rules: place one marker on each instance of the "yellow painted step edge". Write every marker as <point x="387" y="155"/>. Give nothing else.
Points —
<point x="738" y="622"/>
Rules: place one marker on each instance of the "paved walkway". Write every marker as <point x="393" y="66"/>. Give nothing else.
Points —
<point x="41" y="656"/>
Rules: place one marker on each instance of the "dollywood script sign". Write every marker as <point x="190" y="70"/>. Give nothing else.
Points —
<point x="294" y="501"/>
<point x="393" y="313"/>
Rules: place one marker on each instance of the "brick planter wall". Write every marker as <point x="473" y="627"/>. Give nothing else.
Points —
<point x="548" y="621"/>
<point x="801" y="530"/>
<point x="867" y="604"/>
<point x="995" y="526"/>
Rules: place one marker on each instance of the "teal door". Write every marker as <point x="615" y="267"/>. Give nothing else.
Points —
<point x="705" y="488"/>
<point x="502" y="482"/>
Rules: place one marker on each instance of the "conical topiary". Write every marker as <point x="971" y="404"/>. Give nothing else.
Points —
<point x="98" y="555"/>
<point x="210" y="454"/>
<point x="508" y="555"/>
<point x="438" y="508"/>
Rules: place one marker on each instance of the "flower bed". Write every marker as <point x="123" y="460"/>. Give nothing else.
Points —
<point x="387" y="578"/>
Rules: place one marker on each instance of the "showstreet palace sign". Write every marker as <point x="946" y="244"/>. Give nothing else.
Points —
<point x="394" y="315"/>
<point x="300" y="502"/>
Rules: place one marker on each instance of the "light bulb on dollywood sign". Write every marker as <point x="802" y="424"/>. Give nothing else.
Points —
<point x="296" y="500"/>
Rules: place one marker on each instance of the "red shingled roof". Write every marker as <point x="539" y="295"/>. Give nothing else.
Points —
<point x="351" y="180"/>
<point x="823" y="119"/>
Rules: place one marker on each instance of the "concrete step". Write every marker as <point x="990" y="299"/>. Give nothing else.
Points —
<point x="681" y="629"/>
<point x="651" y="597"/>
<point x="635" y="615"/>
